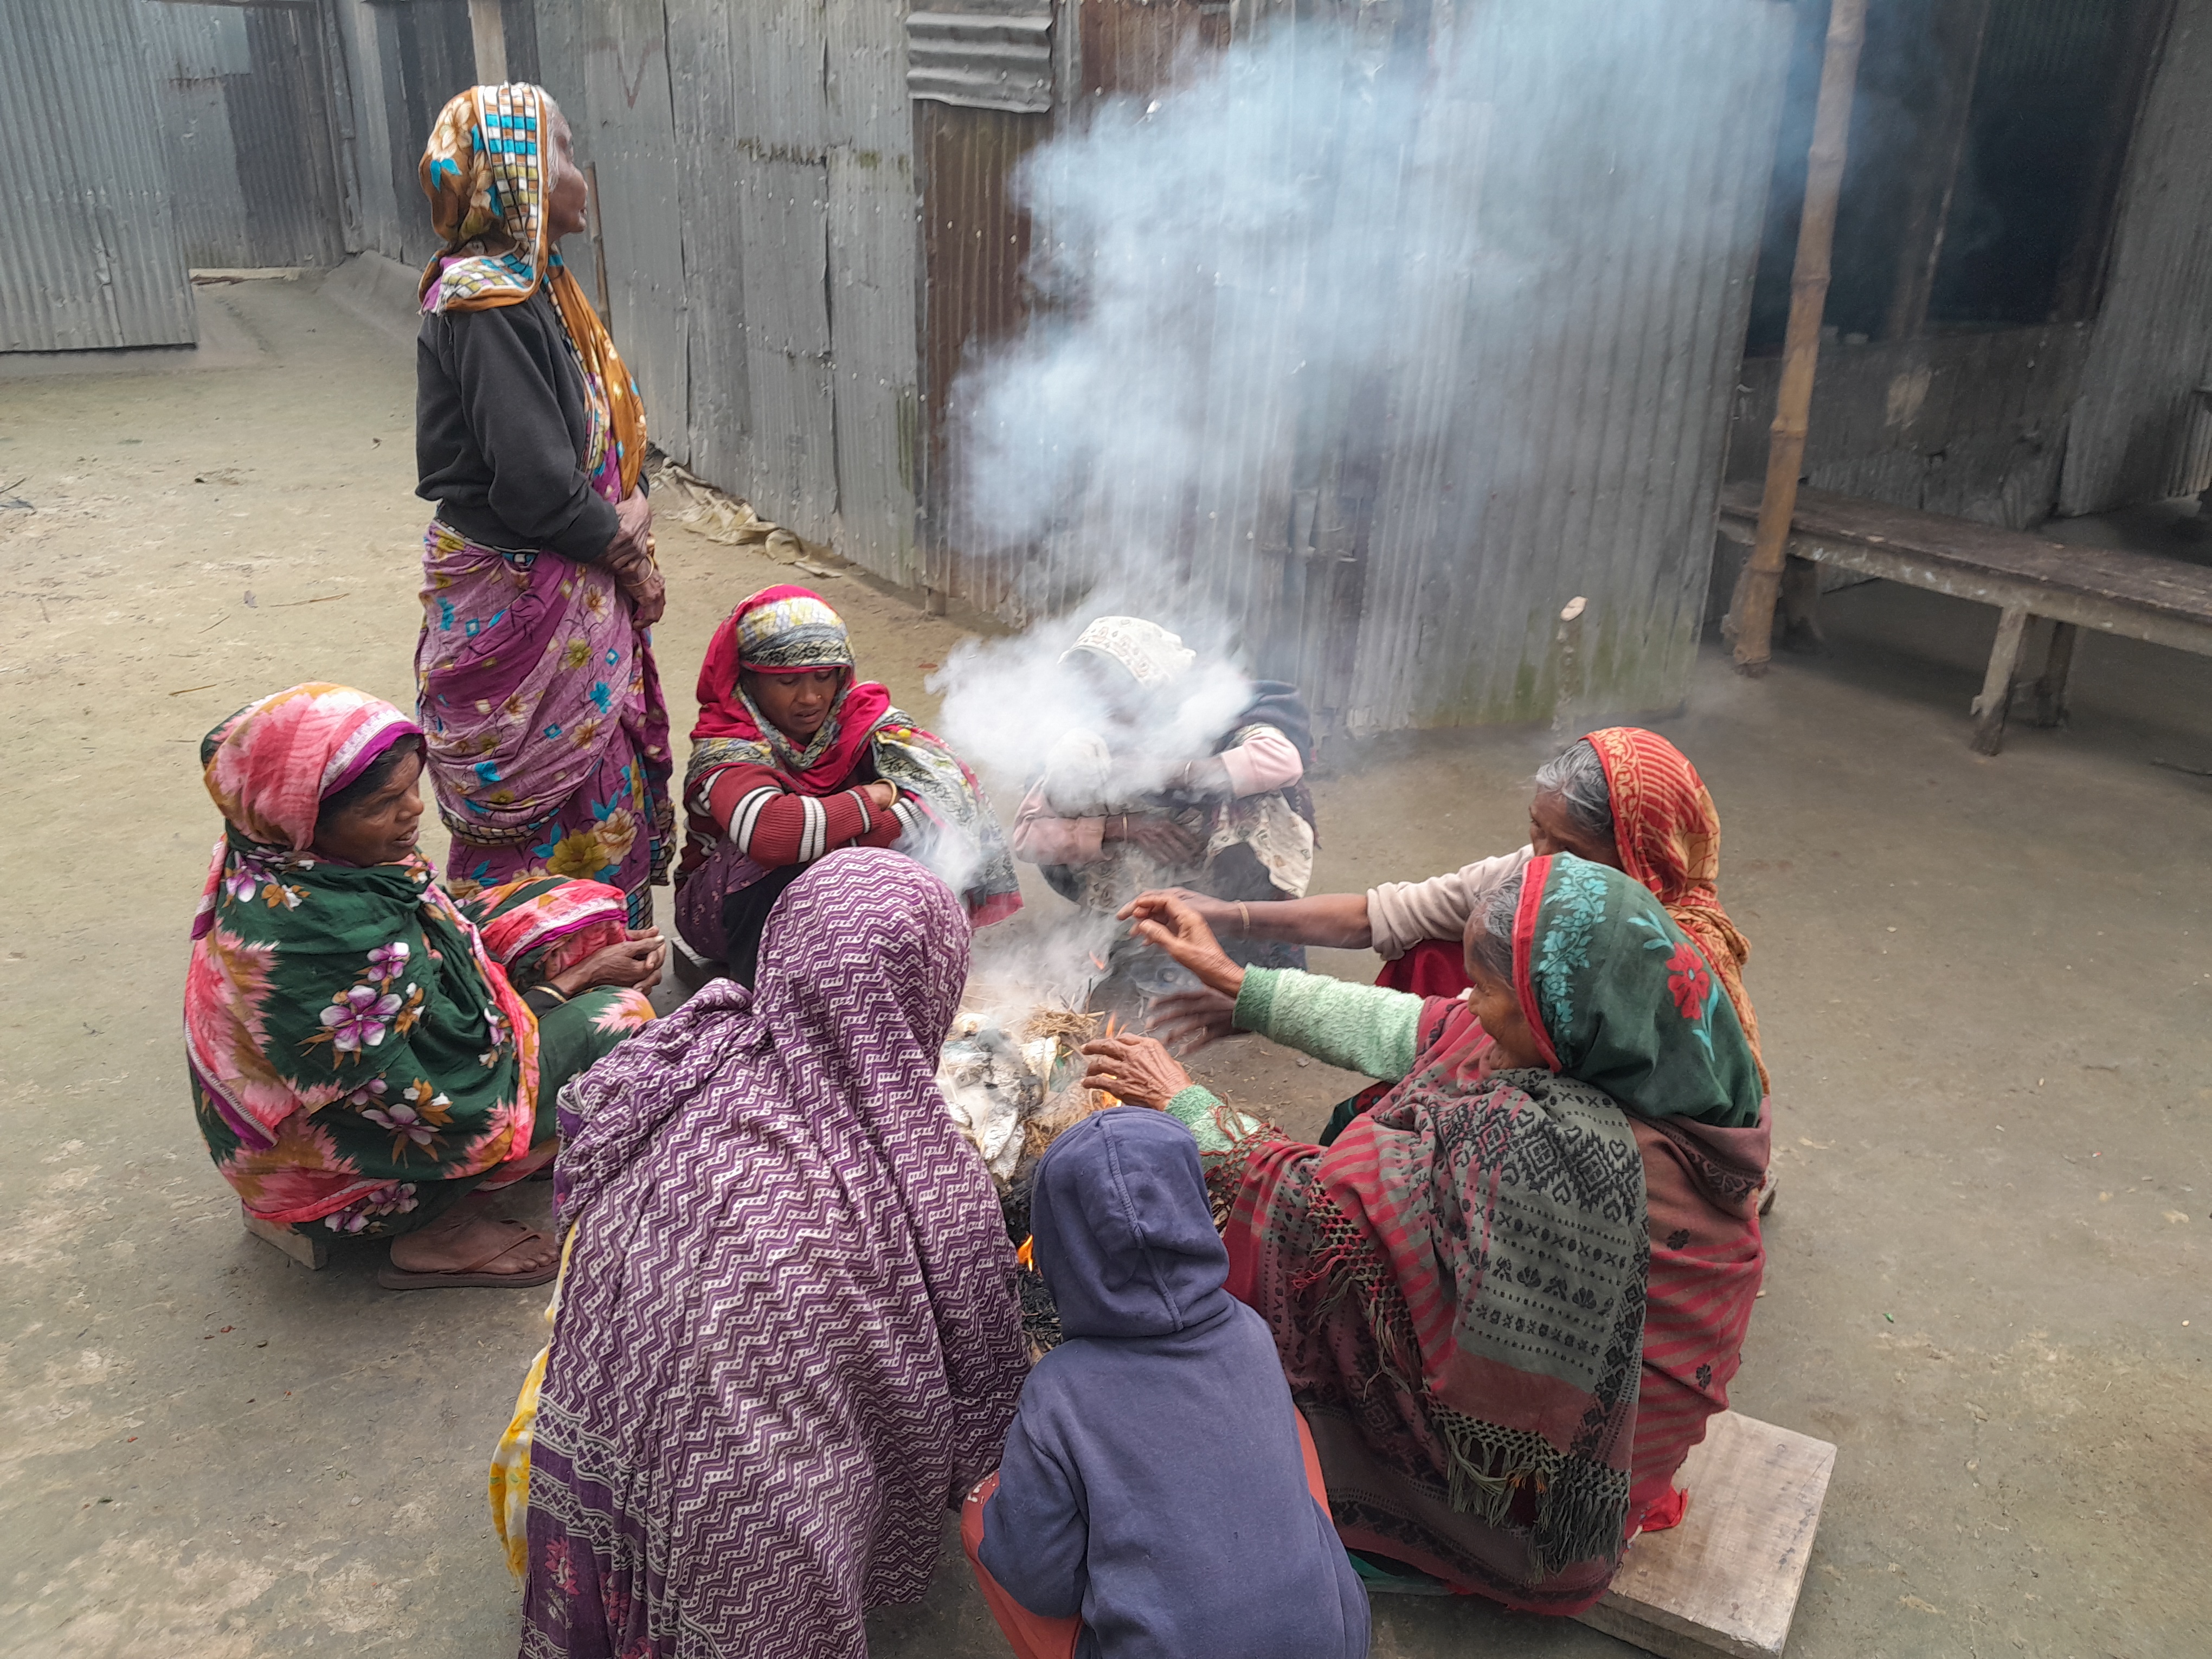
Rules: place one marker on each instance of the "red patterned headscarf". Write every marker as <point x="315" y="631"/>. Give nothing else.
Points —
<point x="783" y="630"/>
<point x="1668" y="834"/>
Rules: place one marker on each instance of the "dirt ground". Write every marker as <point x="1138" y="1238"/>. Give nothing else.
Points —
<point x="1984" y="986"/>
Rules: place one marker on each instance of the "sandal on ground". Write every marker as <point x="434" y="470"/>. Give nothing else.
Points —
<point x="474" y="1275"/>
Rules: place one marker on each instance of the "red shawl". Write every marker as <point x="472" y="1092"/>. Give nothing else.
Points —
<point x="1507" y="1303"/>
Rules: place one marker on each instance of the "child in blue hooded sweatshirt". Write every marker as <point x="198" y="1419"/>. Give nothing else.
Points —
<point x="1153" y="1484"/>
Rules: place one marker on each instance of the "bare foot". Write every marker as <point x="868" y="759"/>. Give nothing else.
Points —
<point x="470" y="1241"/>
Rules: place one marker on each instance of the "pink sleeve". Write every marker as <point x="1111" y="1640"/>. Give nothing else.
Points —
<point x="1266" y="760"/>
<point x="1038" y="838"/>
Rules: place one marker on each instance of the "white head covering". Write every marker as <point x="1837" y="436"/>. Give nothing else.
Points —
<point x="1154" y="658"/>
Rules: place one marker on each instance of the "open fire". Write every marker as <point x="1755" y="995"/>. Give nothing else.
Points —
<point x="1011" y="1095"/>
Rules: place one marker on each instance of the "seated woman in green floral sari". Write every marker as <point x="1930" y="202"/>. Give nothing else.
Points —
<point x="366" y="1053"/>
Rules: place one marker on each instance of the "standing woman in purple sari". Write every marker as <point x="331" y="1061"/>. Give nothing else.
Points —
<point x="547" y="736"/>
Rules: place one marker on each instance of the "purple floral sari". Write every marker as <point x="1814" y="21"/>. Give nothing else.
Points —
<point x="547" y="732"/>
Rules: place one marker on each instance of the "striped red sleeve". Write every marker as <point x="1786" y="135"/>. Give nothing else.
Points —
<point x="773" y="826"/>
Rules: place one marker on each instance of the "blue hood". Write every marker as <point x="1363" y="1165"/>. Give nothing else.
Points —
<point x="1124" y="1236"/>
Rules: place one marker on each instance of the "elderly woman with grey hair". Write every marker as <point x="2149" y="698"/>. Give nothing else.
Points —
<point x="1621" y="796"/>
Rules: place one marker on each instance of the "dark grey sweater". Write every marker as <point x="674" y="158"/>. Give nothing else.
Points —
<point x="500" y="429"/>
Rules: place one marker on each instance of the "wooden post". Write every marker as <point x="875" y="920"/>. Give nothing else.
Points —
<point x="598" y="243"/>
<point x="488" y="30"/>
<point x="1801" y="350"/>
<point x="2057" y="664"/>
<point x="1569" y="695"/>
<point x="1995" y="701"/>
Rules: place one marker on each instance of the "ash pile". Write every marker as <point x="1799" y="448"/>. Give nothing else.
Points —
<point x="1011" y="1095"/>
<point x="1012" y="1081"/>
<point x="1011" y="1073"/>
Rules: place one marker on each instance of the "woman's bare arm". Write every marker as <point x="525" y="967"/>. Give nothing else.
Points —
<point x="1333" y="921"/>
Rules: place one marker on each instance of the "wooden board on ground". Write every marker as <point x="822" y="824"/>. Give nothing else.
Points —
<point x="306" y="1251"/>
<point x="1726" y="1581"/>
<point x="691" y="970"/>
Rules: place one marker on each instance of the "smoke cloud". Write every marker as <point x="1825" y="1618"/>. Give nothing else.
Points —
<point x="1437" y="308"/>
<point x="1220" y="271"/>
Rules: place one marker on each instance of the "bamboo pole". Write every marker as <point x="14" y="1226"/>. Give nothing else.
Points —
<point x="1800" y="348"/>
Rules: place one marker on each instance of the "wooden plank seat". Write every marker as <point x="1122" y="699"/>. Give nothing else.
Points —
<point x="306" y="1249"/>
<point x="2140" y="596"/>
<point x="1726" y="1581"/>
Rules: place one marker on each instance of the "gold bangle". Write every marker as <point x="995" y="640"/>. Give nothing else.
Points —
<point x="1244" y="915"/>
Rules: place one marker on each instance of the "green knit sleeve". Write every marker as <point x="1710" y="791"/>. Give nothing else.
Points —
<point x="1200" y="1110"/>
<point x="1361" y="1028"/>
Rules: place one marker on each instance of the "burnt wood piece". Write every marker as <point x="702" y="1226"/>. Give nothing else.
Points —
<point x="2139" y="596"/>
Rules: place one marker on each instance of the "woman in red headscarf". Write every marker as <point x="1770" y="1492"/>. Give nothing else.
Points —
<point x="794" y="757"/>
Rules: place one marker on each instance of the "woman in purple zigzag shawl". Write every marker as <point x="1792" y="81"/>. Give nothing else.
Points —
<point x="785" y="1339"/>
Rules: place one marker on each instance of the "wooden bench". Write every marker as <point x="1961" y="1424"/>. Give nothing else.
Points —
<point x="2140" y="596"/>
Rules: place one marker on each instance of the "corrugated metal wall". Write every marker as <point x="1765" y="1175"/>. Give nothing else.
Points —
<point x="402" y="59"/>
<point x="606" y="61"/>
<point x="974" y="242"/>
<point x="2154" y="341"/>
<point x="245" y="102"/>
<point x="792" y="154"/>
<point x="874" y="350"/>
<point x="1587" y="402"/>
<point x="1396" y="533"/>
<point x="90" y="256"/>
<point x="1973" y="425"/>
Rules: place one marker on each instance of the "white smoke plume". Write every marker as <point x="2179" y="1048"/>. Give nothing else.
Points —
<point x="1009" y="702"/>
<point x="1449" y="298"/>
<point x="1216" y="268"/>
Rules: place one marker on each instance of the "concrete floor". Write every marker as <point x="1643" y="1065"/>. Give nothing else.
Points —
<point x="1984" y="986"/>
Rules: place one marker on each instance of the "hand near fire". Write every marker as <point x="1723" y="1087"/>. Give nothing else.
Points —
<point x="1188" y="1021"/>
<point x="1170" y="921"/>
<point x="1138" y="1071"/>
<point x="1156" y="833"/>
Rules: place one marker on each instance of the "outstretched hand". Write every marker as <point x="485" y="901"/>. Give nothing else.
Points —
<point x="1138" y="1071"/>
<point x="1170" y="923"/>
<point x="1187" y="1021"/>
